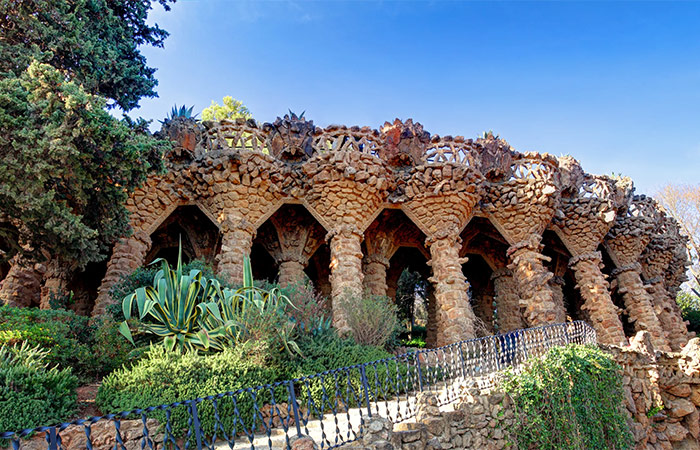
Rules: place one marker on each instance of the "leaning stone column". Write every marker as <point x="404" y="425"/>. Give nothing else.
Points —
<point x="593" y="287"/>
<point x="672" y="322"/>
<point x="128" y="255"/>
<point x="639" y="305"/>
<point x="555" y="285"/>
<point x="375" y="267"/>
<point x="507" y="301"/>
<point x="533" y="282"/>
<point x="21" y="287"/>
<point x="346" y="269"/>
<point x="236" y="244"/>
<point x="454" y="317"/>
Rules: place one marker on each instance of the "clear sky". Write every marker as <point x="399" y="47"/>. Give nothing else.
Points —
<point x="616" y="85"/>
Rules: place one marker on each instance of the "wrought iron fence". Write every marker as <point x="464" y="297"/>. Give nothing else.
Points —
<point x="332" y="406"/>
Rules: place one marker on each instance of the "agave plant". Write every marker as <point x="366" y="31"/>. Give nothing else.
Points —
<point x="182" y="111"/>
<point x="174" y="306"/>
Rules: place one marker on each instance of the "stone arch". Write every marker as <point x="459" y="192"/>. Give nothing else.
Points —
<point x="567" y="297"/>
<point x="189" y="226"/>
<point x="618" y="300"/>
<point x="290" y="236"/>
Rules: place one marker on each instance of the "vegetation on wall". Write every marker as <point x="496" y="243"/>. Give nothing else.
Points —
<point x="571" y="398"/>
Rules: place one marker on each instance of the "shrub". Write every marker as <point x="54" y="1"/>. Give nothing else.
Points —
<point x="164" y="377"/>
<point x="571" y="398"/>
<point x="309" y="309"/>
<point x="91" y="350"/>
<point x="33" y="394"/>
<point x="371" y="318"/>
<point x="690" y="310"/>
<point x="327" y="352"/>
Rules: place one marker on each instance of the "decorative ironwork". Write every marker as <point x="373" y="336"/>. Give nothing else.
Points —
<point x="331" y="406"/>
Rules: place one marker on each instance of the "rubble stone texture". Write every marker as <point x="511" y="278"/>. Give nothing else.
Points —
<point x="626" y="241"/>
<point x="337" y="203"/>
<point x="507" y="301"/>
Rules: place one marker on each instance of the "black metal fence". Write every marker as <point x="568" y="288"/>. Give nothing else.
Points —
<point x="332" y="406"/>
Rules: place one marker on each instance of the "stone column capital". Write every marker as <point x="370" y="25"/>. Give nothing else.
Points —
<point x="236" y="224"/>
<point x="502" y="272"/>
<point x="346" y="231"/>
<point x="531" y="243"/>
<point x="289" y="256"/>
<point x="590" y="256"/>
<point x="450" y="234"/>
<point x="378" y="259"/>
<point x="634" y="267"/>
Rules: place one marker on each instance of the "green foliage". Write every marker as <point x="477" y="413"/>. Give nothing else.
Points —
<point x="69" y="340"/>
<point x="95" y="43"/>
<point x="310" y="310"/>
<point x="174" y="304"/>
<point x="192" y="312"/>
<point x="33" y="394"/>
<point x="231" y="109"/>
<point x="294" y="115"/>
<point x="164" y="377"/>
<point x="690" y="310"/>
<point x="182" y="111"/>
<point x="66" y="166"/>
<point x="410" y="285"/>
<point x="371" y="318"/>
<point x="328" y="351"/>
<point x="415" y="342"/>
<point x="569" y="399"/>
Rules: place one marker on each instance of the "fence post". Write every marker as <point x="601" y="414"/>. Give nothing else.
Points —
<point x="53" y="441"/>
<point x="295" y="406"/>
<point x="420" y="374"/>
<point x="461" y="358"/>
<point x="365" y="386"/>
<point x="195" y="424"/>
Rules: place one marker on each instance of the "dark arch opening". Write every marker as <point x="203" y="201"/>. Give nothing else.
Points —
<point x="318" y="270"/>
<point x="617" y="298"/>
<point x="189" y="226"/>
<point x="481" y="292"/>
<point x="564" y="278"/>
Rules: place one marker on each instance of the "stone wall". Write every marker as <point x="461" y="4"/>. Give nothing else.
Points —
<point x="369" y="192"/>
<point x="662" y="401"/>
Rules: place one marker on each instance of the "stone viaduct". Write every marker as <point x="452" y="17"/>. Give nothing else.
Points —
<point x="506" y="239"/>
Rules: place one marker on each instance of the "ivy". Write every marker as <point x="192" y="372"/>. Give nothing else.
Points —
<point x="571" y="398"/>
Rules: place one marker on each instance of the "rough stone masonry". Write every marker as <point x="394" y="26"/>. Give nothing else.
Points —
<point x="507" y="239"/>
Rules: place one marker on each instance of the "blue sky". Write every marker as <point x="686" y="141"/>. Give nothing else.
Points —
<point x="614" y="84"/>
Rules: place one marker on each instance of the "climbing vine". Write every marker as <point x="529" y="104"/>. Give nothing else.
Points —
<point x="571" y="398"/>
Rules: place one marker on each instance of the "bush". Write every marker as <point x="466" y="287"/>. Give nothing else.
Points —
<point x="690" y="310"/>
<point x="164" y="377"/>
<point x="33" y="394"/>
<point x="372" y="318"/>
<point x="571" y="398"/>
<point x="327" y="352"/>
<point x="68" y="338"/>
<point x="309" y="309"/>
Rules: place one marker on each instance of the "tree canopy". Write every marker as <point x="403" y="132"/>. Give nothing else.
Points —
<point x="94" y="42"/>
<point x="231" y="109"/>
<point x="66" y="167"/>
